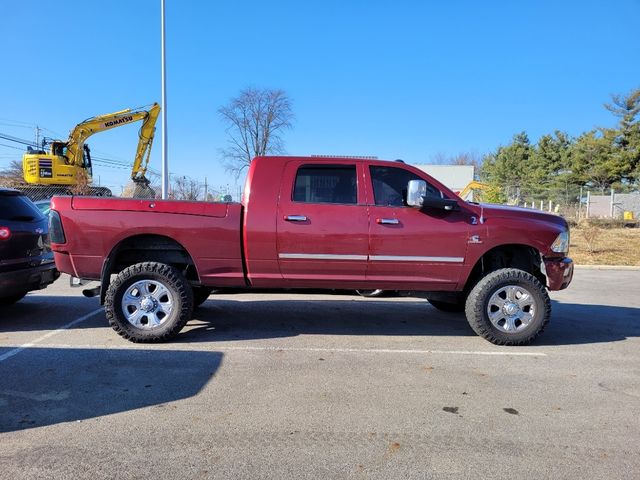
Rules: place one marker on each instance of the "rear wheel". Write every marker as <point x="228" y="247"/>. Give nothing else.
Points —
<point x="149" y="302"/>
<point x="11" y="299"/>
<point x="508" y="307"/>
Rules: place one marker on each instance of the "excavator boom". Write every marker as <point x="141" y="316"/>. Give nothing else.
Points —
<point x="100" y="123"/>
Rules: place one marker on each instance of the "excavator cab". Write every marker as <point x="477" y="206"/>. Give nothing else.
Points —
<point x="53" y="167"/>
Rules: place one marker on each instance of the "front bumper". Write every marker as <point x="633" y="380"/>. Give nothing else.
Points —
<point x="27" y="279"/>
<point x="559" y="272"/>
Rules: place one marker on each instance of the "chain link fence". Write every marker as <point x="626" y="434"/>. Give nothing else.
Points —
<point x="180" y="188"/>
<point x="580" y="203"/>
<point x="574" y="206"/>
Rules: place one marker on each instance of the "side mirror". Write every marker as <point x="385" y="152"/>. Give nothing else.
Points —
<point x="417" y="198"/>
<point x="416" y="192"/>
<point x="441" y="203"/>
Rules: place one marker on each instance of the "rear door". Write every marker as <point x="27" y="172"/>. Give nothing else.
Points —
<point x="412" y="248"/>
<point x="322" y="224"/>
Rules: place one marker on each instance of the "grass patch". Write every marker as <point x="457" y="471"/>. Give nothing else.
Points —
<point x="605" y="246"/>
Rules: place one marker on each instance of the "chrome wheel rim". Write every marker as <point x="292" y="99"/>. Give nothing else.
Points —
<point x="147" y="304"/>
<point x="511" y="309"/>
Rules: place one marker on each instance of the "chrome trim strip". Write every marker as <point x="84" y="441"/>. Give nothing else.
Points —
<point x="321" y="256"/>
<point x="380" y="258"/>
<point x="400" y="258"/>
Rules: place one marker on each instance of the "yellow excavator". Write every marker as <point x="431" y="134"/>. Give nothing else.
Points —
<point x="58" y="170"/>
<point x="467" y="193"/>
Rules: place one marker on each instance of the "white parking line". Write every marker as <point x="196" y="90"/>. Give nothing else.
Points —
<point x="17" y="350"/>
<point x="248" y="348"/>
<point x="384" y="350"/>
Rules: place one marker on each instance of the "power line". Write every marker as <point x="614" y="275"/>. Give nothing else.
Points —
<point x="11" y="146"/>
<point x="17" y="122"/>
<point x="17" y="140"/>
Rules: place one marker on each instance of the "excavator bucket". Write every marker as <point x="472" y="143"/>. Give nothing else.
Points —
<point x="143" y="191"/>
<point x="138" y="189"/>
<point x="142" y="188"/>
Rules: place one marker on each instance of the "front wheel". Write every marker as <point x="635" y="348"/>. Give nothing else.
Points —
<point x="149" y="302"/>
<point x="508" y="307"/>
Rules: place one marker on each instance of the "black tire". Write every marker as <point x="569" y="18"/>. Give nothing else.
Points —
<point x="11" y="299"/>
<point x="200" y="295"/>
<point x="489" y="290"/>
<point x="447" y="306"/>
<point x="179" y="295"/>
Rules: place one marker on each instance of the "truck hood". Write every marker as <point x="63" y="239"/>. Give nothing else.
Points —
<point x="489" y="211"/>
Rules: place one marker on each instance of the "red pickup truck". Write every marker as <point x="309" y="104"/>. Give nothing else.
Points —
<point x="307" y="222"/>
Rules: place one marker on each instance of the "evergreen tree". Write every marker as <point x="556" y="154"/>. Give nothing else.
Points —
<point x="509" y="168"/>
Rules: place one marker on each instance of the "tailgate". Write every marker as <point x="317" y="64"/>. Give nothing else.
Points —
<point x="206" y="209"/>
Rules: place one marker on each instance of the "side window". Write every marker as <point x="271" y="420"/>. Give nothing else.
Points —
<point x="390" y="185"/>
<point x="326" y="184"/>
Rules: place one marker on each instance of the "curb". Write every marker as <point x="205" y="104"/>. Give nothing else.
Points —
<point x="607" y="267"/>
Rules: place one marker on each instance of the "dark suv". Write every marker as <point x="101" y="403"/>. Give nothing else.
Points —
<point x="26" y="260"/>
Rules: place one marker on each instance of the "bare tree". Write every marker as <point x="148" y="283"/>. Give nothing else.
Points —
<point x="467" y="158"/>
<point x="186" y="188"/>
<point x="12" y="174"/>
<point x="82" y="186"/>
<point x="256" y="119"/>
<point x="462" y="158"/>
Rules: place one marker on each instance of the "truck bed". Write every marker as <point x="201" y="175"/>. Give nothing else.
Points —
<point x="210" y="232"/>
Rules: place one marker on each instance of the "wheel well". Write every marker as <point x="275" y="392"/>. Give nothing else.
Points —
<point x="522" y="257"/>
<point x="148" y="248"/>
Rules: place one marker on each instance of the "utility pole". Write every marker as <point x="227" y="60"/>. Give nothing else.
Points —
<point x="37" y="136"/>
<point x="165" y="163"/>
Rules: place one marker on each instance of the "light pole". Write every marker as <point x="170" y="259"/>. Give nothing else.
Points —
<point x="165" y="164"/>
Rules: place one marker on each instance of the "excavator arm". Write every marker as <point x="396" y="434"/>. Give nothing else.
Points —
<point x="100" y="123"/>
<point x="470" y="187"/>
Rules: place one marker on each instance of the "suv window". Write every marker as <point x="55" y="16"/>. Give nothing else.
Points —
<point x="390" y="185"/>
<point x="18" y="208"/>
<point x="326" y="184"/>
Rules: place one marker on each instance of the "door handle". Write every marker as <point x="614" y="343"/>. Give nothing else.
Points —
<point x="388" y="221"/>
<point x="295" y="218"/>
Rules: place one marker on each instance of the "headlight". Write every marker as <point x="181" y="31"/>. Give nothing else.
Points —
<point x="561" y="243"/>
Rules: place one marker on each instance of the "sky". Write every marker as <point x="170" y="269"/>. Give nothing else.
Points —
<point x="394" y="79"/>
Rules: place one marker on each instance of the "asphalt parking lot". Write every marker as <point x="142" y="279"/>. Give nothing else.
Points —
<point x="325" y="386"/>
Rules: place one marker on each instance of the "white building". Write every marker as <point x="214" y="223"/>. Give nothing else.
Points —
<point x="456" y="177"/>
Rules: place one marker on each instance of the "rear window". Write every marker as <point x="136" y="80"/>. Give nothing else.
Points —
<point x="18" y="208"/>
<point x="326" y="184"/>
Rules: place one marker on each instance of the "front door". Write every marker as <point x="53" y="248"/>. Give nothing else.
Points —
<point x="412" y="248"/>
